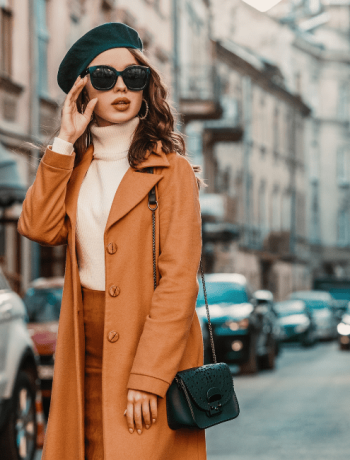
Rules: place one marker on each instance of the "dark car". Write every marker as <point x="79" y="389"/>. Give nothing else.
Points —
<point x="296" y="322"/>
<point x="243" y="333"/>
<point x="321" y="306"/>
<point x="343" y="329"/>
<point x="266" y="304"/>
<point x="43" y="304"/>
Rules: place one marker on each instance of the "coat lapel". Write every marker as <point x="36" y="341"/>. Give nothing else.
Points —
<point x="133" y="187"/>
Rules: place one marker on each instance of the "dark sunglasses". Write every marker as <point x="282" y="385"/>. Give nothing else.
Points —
<point x="104" y="77"/>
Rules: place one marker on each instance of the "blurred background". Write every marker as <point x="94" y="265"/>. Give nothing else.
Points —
<point x="262" y="89"/>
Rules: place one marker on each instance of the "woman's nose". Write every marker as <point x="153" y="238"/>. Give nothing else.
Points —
<point x="120" y="85"/>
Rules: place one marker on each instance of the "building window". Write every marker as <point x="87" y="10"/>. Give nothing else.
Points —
<point x="6" y="24"/>
<point x="286" y="212"/>
<point x="276" y="139"/>
<point x="344" y="227"/>
<point x="315" y="215"/>
<point x="344" y="101"/>
<point x="276" y="211"/>
<point x="43" y="38"/>
<point x="314" y="6"/>
<point x="262" y="209"/>
<point x="343" y="166"/>
<point x="314" y="163"/>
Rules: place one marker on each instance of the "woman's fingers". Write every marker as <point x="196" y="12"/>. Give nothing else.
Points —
<point x="146" y="413"/>
<point x="130" y="416"/>
<point x="76" y="90"/>
<point x="141" y="407"/>
<point x="90" y="108"/>
<point x="73" y="94"/>
<point x="138" y="416"/>
<point x="154" y="408"/>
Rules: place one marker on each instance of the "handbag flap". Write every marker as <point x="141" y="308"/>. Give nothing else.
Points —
<point x="212" y="378"/>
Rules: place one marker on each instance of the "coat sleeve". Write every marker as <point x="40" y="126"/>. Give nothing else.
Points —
<point x="43" y="216"/>
<point x="163" y="340"/>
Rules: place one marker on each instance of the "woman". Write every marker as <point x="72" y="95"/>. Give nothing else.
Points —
<point x="120" y="342"/>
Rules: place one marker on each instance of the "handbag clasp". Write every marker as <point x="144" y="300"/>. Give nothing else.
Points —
<point x="214" y="397"/>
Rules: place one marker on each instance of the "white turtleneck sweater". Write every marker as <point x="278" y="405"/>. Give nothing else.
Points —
<point x="109" y="164"/>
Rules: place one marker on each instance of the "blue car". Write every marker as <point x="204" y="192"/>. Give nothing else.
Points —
<point x="243" y="330"/>
<point x="343" y="329"/>
<point x="296" y="322"/>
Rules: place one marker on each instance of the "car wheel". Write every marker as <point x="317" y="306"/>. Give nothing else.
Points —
<point x="251" y="366"/>
<point x="18" y="439"/>
<point x="268" y="361"/>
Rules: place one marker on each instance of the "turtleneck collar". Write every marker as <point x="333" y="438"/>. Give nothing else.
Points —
<point x="113" y="142"/>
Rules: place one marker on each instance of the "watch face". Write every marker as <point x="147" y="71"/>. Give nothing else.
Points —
<point x="262" y="5"/>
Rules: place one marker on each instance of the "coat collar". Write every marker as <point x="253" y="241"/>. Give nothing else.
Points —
<point x="131" y="190"/>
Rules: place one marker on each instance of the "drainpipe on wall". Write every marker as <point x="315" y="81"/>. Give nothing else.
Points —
<point x="247" y="141"/>
<point x="175" y="60"/>
<point x="34" y="122"/>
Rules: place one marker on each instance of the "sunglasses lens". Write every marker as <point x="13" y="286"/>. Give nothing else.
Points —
<point x="103" y="78"/>
<point x="135" y="77"/>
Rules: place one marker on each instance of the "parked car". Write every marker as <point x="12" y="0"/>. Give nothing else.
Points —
<point x="320" y="304"/>
<point x="265" y="300"/>
<point x="296" y="322"/>
<point x="343" y="329"/>
<point x="19" y="384"/>
<point x="43" y="304"/>
<point x="243" y="333"/>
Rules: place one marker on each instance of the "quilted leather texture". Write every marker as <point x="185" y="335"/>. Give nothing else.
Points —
<point x="199" y="380"/>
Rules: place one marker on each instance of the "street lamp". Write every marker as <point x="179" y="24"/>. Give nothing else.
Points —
<point x="262" y="5"/>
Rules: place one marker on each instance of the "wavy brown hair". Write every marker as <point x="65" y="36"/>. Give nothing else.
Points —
<point x="158" y="125"/>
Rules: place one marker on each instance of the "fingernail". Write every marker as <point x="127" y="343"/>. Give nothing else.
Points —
<point x="147" y="426"/>
<point x="139" y="431"/>
<point x="154" y="420"/>
<point x="131" y="430"/>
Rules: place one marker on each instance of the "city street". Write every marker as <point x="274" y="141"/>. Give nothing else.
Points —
<point x="300" y="411"/>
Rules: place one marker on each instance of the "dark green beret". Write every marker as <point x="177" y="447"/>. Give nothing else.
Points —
<point x="90" y="45"/>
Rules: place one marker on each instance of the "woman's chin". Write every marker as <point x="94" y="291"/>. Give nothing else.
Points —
<point x="117" y="117"/>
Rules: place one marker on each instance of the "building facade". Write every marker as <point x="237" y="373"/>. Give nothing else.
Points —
<point x="35" y="35"/>
<point x="308" y="40"/>
<point x="253" y="159"/>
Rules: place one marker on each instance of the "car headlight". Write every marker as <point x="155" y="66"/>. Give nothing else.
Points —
<point x="235" y="325"/>
<point x="301" y="327"/>
<point x="343" y="329"/>
<point x="244" y="323"/>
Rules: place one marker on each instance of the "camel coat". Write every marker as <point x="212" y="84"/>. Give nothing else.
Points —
<point x="158" y="331"/>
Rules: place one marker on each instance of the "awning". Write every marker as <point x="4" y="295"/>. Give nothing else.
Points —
<point x="220" y="231"/>
<point x="12" y="189"/>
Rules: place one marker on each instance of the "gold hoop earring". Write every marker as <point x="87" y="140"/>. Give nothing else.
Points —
<point x="147" y="108"/>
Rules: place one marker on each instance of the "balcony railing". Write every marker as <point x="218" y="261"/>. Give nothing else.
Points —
<point x="199" y="91"/>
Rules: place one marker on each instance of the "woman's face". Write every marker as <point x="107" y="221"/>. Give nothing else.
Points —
<point x="107" y="110"/>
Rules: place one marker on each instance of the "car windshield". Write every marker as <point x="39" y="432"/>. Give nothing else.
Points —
<point x="43" y="305"/>
<point x="223" y="292"/>
<point x="289" y="308"/>
<point x="341" y="294"/>
<point x="315" y="304"/>
<point x="313" y="299"/>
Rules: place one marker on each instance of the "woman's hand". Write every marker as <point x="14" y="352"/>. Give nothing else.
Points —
<point x="73" y="123"/>
<point x="140" y="404"/>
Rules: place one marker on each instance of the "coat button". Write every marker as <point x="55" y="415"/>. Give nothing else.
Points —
<point x="114" y="290"/>
<point x="112" y="248"/>
<point x="113" y="336"/>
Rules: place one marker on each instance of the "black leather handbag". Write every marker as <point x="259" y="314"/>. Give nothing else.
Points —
<point x="202" y="396"/>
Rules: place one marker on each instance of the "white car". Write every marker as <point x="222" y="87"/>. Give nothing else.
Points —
<point x="320" y="304"/>
<point x="19" y="383"/>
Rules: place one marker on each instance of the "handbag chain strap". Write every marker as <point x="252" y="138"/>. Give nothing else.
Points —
<point x="153" y="205"/>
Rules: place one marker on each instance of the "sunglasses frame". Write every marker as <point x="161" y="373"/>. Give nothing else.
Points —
<point x="116" y="72"/>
